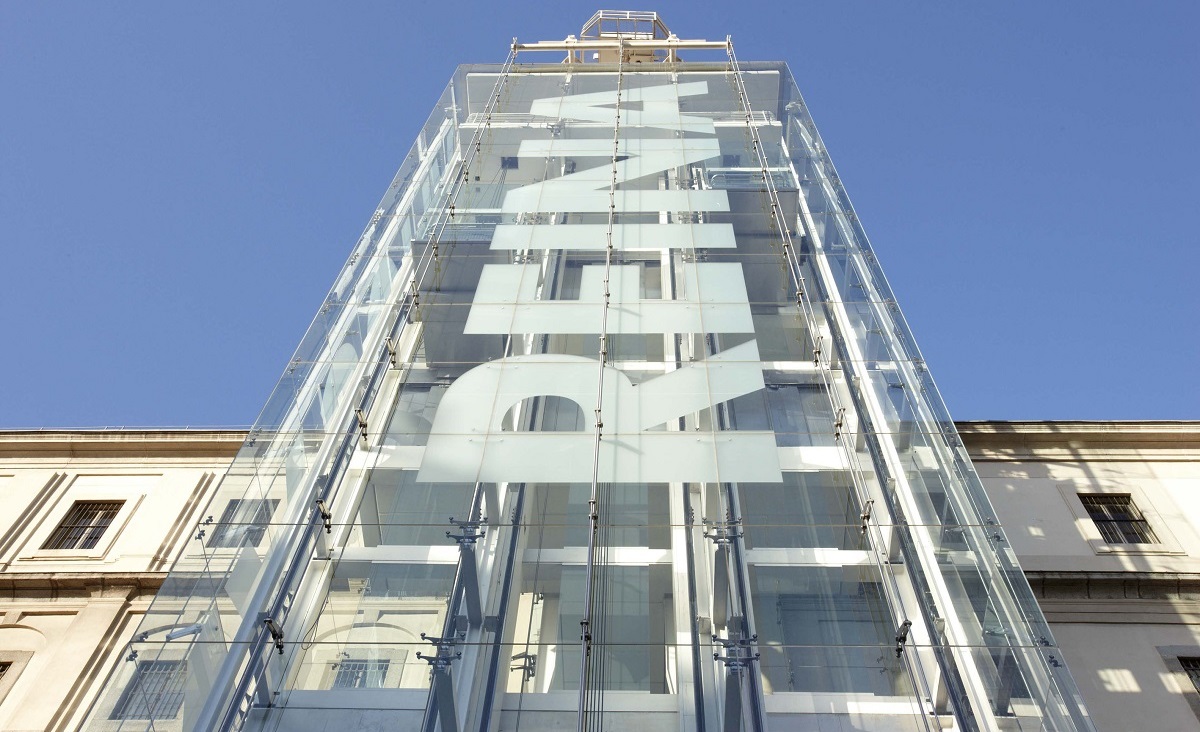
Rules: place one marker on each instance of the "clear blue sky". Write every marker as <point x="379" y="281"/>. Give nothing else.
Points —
<point x="180" y="184"/>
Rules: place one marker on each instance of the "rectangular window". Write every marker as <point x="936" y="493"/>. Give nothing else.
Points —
<point x="12" y="663"/>
<point x="1191" y="666"/>
<point x="155" y="692"/>
<point x="243" y="521"/>
<point x="358" y="673"/>
<point x="1119" y="520"/>
<point x="508" y="162"/>
<point x="84" y="525"/>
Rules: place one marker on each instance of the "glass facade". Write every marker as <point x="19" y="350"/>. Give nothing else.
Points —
<point x="609" y="422"/>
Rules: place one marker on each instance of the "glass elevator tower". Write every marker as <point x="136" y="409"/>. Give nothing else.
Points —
<point x="610" y="422"/>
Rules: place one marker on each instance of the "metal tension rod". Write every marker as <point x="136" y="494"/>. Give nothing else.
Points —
<point x="586" y="625"/>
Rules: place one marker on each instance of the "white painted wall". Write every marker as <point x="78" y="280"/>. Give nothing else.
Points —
<point x="1122" y="615"/>
<point x="1123" y="679"/>
<point x="1037" y="504"/>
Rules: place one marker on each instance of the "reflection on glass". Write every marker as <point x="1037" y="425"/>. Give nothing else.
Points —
<point x="369" y="628"/>
<point x="825" y="630"/>
<point x="751" y="458"/>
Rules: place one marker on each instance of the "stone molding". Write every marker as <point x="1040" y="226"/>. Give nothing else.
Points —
<point x="1081" y="441"/>
<point x="985" y="439"/>
<point x="117" y="443"/>
<point x="19" y="586"/>
<point x="1175" y="586"/>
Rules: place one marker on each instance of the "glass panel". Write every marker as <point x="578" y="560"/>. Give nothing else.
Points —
<point x="612" y="401"/>
<point x="806" y="510"/>
<point x="825" y="630"/>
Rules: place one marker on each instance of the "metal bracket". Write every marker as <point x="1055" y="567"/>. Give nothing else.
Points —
<point x="276" y="631"/>
<point x="739" y="651"/>
<point x="471" y="531"/>
<point x="865" y="516"/>
<point x="326" y="516"/>
<point x="722" y="532"/>
<point x="528" y="665"/>
<point x="439" y="670"/>
<point x="902" y="636"/>
<point x="445" y="655"/>
<point x="739" y="654"/>
<point x="362" y="424"/>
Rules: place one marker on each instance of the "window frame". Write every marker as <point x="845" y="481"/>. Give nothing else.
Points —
<point x="52" y="519"/>
<point x="1148" y="505"/>
<point x="1114" y="530"/>
<point x="83" y="528"/>
<point x="17" y="661"/>
<point x="1191" y="667"/>
<point x="1172" y="657"/>
<point x="133" y="686"/>
<point x="370" y="666"/>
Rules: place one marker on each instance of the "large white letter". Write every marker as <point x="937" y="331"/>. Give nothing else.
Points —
<point x="468" y="445"/>
<point x="713" y="300"/>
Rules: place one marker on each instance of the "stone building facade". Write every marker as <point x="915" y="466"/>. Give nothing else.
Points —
<point x="1121" y="592"/>
<point x="92" y="521"/>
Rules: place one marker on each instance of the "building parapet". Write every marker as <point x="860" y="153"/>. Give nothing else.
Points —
<point x="108" y="443"/>
<point x="1167" y="440"/>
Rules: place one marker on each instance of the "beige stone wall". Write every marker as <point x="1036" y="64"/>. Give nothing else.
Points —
<point x="1123" y="614"/>
<point x="65" y="614"/>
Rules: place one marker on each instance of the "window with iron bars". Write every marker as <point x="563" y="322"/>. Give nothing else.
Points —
<point x="1191" y="666"/>
<point x="84" y="525"/>
<point x="155" y="692"/>
<point x="358" y="673"/>
<point x="1118" y="519"/>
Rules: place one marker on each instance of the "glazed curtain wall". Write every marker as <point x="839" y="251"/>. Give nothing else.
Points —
<point x="610" y="421"/>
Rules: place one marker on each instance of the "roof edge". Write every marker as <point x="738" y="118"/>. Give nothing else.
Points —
<point x="223" y="443"/>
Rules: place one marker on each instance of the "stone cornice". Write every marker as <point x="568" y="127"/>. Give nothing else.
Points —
<point x="180" y="443"/>
<point x="986" y="440"/>
<point x="1076" y="440"/>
